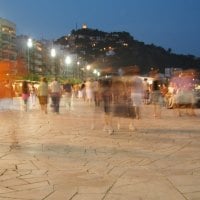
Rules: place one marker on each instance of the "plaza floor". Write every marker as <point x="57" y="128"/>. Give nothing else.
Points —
<point x="60" y="157"/>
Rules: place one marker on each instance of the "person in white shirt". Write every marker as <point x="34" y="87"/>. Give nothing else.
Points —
<point x="56" y="91"/>
<point x="89" y="91"/>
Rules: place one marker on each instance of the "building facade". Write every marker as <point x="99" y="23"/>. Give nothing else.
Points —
<point x="19" y="58"/>
<point x="34" y="57"/>
<point x="7" y="40"/>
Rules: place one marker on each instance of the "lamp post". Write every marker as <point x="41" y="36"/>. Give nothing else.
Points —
<point x="88" y="67"/>
<point x="29" y="45"/>
<point x="53" y="55"/>
<point x="68" y="61"/>
<point x="96" y="72"/>
<point x="78" y="69"/>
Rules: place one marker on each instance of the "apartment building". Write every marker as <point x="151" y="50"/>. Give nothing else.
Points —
<point x="7" y="40"/>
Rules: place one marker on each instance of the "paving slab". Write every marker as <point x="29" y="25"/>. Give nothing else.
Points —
<point x="69" y="156"/>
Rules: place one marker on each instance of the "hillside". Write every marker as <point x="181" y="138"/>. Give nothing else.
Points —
<point x="120" y="49"/>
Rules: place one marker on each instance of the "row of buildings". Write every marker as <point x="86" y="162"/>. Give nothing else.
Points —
<point x="20" y="55"/>
<point x="69" y="56"/>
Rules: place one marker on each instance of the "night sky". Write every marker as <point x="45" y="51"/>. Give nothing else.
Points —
<point x="171" y="24"/>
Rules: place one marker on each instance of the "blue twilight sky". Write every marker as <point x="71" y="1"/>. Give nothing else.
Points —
<point x="171" y="24"/>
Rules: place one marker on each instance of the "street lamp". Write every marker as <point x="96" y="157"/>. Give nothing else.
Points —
<point x="88" y="67"/>
<point x="29" y="45"/>
<point x="78" y="69"/>
<point x="53" y="55"/>
<point x="96" y="72"/>
<point x="68" y="61"/>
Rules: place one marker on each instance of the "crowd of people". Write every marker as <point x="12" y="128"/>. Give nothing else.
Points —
<point x="119" y="96"/>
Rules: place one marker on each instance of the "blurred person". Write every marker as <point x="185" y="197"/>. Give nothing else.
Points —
<point x="133" y="95"/>
<point x="81" y="92"/>
<point x="164" y="91"/>
<point x="96" y="91"/>
<point x="8" y="94"/>
<point x="25" y="94"/>
<point x="169" y="97"/>
<point x="55" y="91"/>
<point x="97" y="94"/>
<point x="67" y="93"/>
<point x="146" y="91"/>
<point x="75" y="90"/>
<point x="137" y="92"/>
<point x="42" y="93"/>
<point x="106" y="94"/>
<point x="32" y="95"/>
<point x="80" y="95"/>
<point x="156" y="96"/>
<point x="89" y="91"/>
<point x="119" y="92"/>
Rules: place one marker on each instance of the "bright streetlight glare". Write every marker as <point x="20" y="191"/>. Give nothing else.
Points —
<point x="68" y="60"/>
<point x="53" y="52"/>
<point x="88" y="67"/>
<point x="29" y="43"/>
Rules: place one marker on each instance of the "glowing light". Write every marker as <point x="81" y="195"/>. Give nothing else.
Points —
<point x="53" y="52"/>
<point x="88" y="67"/>
<point x="29" y="43"/>
<point x="68" y="60"/>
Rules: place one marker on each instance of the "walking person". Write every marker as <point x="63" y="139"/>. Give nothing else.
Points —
<point x="156" y="96"/>
<point x="137" y="92"/>
<point x="67" y="90"/>
<point x="119" y="95"/>
<point x="55" y="90"/>
<point x="134" y="95"/>
<point x="146" y="91"/>
<point x="89" y="91"/>
<point x="9" y="94"/>
<point x="81" y="92"/>
<point x="25" y="94"/>
<point x="96" y="89"/>
<point x="32" y="95"/>
<point x="106" y="95"/>
<point x="42" y="94"/>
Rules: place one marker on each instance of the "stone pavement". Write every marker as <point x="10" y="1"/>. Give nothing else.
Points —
<point x="59" y="157"/>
